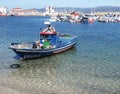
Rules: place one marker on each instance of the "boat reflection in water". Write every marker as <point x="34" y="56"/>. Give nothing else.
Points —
<point x="50" y="42"/>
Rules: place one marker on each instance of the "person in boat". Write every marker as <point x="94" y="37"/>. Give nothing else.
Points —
<point x="49" y="28"/>
<point x="37" y="44"/>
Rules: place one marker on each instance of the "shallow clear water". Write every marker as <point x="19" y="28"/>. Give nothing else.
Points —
<point x="91" y="67"/>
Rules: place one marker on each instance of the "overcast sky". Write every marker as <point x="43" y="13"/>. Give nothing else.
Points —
<point x="27" y="4"/>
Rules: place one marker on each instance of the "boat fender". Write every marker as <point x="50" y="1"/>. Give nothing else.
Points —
<point x="15" y="66"/>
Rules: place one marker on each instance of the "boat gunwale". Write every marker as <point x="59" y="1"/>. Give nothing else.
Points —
<point x="42" y="50"/>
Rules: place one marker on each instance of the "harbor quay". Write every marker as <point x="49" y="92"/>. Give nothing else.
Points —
<point x="48" y="11"/>
<point x="72" y="16"/>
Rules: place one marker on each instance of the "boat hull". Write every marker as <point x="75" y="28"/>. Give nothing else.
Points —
<point x="36" y="53"/>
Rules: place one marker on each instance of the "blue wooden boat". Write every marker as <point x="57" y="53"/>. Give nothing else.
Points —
<point x="50" y="42"/>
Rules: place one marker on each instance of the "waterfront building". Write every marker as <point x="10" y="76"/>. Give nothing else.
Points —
<point x="50" y="11"/>
<point x="3" y="11"/>
<point x="15" y="11"/>
<point x="20" y="12"/>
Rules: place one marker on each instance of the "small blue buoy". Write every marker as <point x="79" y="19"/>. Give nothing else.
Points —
<point x="15" y="66"/>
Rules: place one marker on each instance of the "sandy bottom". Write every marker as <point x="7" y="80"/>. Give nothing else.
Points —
<point x="7" y="90"/>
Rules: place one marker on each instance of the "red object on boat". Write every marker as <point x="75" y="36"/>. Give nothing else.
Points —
<point x="51" y="32"/>
<point x="91" y="20"/>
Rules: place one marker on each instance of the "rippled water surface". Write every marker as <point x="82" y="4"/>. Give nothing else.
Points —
<point x="91" y="67"/>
